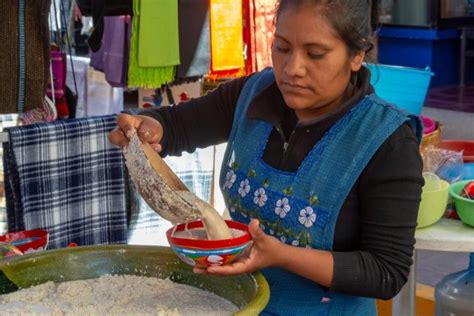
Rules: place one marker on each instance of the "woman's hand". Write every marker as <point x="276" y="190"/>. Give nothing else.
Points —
<point x="265" y="252"/>
<point x="148" y="129"/>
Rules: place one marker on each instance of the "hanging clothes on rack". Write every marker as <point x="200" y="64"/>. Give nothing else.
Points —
<point x="194" y="38"/>
<point x="98" y="9"/>
<point x="67" y="178"/>
<point x="154" y="51"/>
<point x="24" y="67"/>
<point x="227" y="46"/>
<point x="113" y="56"/>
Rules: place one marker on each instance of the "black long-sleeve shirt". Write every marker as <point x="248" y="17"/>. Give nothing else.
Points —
<point x="374" y="235"/>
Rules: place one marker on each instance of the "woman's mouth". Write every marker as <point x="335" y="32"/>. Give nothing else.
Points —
<point x="293" y="87"/>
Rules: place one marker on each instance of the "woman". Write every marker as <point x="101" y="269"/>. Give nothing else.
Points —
<point x="329" y="173"/>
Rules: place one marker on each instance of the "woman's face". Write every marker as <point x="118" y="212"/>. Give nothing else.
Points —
<point x="312" y="65"/>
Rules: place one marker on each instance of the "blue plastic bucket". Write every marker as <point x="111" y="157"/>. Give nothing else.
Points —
<point x="405" y="87"/>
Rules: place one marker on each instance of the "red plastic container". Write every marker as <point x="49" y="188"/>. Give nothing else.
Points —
<point x="27" y="241"/>
<point x="465" y="145"/>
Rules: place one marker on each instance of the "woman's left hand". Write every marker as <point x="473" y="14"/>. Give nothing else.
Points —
<point x="265" y="252"/>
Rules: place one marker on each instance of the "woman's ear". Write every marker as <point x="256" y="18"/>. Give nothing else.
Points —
<point x="357" y="61"/>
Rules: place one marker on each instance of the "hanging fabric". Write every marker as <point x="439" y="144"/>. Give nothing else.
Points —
<point x="47" y="113"/>
<point x="113" y="56"/>
<point x="227" y="46"/>
<point x="154" y="48"/>
<point x="98" y="9"/>
<point x="24" y="55"/>
<point x="249" y="36"/>
<point x="264" y="14"/>
<point x="194" y="38"/>
<point x="67" y="178"/>
<point x="258" y="33"/>
<point x="58" y="62"/>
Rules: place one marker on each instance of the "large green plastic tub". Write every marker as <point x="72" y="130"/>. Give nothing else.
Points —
<point x="249" y="292"/>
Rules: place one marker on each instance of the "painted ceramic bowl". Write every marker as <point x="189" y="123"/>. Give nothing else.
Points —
<point x="26" y="241"/>
<point x="189" y="243"/>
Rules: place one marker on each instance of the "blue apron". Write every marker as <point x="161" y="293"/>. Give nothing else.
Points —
<point x="301" y="208"/>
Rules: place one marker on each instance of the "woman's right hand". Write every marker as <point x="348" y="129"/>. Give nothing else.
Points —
<point x="148" y="129"/>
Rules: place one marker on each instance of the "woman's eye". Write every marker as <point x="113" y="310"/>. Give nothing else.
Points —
<point x="282" y="49"/>
<point x="314" y="55"/>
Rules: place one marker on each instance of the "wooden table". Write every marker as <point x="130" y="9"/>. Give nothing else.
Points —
<point x="446" y="235"/>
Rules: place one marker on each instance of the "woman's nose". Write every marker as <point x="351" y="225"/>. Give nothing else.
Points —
<point x="295" y="65"/>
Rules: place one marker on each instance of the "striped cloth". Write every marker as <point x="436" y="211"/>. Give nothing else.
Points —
<point x="67" y="178"/>
<point x="195" y="170"/>
<point x="6" y="120"/>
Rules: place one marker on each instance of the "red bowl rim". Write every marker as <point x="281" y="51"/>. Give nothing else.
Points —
<point x="460" y="143"/>
<point x="40" y="233"/>
<point x="208" y="244"/>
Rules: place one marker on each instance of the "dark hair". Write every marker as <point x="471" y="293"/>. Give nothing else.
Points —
<point x="350" y="18"/>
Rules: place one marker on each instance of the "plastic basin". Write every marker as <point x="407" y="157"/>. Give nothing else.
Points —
<point x="433" y="205"/>
<point x="250" y="292"/>
<point x="457" y="145"/>
<point x="464" y="207"/>
<point x="405" y="87"/>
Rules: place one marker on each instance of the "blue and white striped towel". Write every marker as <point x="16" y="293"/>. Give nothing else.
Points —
<point x="70" y="181"/>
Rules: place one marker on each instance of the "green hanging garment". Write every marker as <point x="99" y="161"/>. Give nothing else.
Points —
<point x="154" y="49"/>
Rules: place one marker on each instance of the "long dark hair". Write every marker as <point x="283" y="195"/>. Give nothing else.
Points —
<point x="350" y="18"/>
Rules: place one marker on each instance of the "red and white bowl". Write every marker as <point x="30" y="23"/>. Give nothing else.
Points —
<point x="206" y="253"/>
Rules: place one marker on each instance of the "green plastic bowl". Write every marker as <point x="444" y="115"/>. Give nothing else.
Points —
<point x="248" y="292"/>
<point x="464" y="207"/>
<point x="433" y="204"/>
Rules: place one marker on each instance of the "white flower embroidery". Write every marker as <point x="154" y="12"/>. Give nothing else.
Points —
<point x="271" y="232"/>
<point x="260" y="197"/>
<point x="244" y="188"/>
<point x="282" y="207"/>
<point x="232" y="209"/>
<point x="283" y="239"/>
<point x="262" y="227"/>
<point x="230" y="178"/>
<point x="295" y="242"/>
<point x="307" y="217"/>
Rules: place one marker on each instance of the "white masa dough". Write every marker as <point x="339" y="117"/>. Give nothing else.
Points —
<point x="115" y="295"/>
